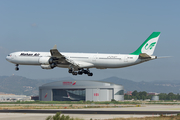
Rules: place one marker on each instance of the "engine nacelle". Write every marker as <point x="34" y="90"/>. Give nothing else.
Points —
<point x="47" y="63"/>
<point x="51" y="60"/>
<point x="46" y="67"/>
<point x="46" y="60"/>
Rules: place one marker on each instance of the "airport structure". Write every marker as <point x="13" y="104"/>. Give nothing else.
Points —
<point x="81" y="90"/>
<point x="13" y="97"/>
<point x="155" y="98"/>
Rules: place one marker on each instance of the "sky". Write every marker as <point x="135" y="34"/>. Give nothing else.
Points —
<point x="96" y="26"/>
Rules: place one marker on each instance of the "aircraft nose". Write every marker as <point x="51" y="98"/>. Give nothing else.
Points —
<point x="7" y="58"/>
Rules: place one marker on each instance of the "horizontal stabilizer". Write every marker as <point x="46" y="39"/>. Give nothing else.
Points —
<point x="144" y="56"/>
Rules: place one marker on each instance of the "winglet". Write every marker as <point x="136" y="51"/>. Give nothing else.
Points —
<point x="55" y="47"/>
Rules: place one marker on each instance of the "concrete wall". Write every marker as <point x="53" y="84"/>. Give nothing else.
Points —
<point x="99" y="94"/>
<point x="45" y="94"/>
<point x="92" y="94"/>
<point x="118" y="97"/>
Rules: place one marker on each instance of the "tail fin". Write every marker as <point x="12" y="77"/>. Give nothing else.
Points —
<point x="149" y="45"/>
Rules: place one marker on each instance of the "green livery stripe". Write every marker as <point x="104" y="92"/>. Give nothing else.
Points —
<point x="153" y="35"/>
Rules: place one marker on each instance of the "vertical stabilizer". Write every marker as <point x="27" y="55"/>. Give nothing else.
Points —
<point x="149" y="45"/>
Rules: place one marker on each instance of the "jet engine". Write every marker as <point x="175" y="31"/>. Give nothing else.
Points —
<point x="47" y="63"/>
<point x="46" y="67"/>
<point x="51" y="60"/>
<point x="46" y="60"/>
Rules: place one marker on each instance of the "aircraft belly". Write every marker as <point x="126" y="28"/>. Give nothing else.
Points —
<point x="107" y="64"/>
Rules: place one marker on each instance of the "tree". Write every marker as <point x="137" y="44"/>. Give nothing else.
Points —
<point x="135" y="93"/>
<point x="171" y="96"/>
<point x="58" y="116"/>
<point x="142" y="95"/>
<point x="162" y="96"/>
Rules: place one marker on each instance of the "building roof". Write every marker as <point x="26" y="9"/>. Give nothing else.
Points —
<point x="80" y="84"/>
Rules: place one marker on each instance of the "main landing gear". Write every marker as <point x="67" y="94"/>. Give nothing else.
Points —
<point x="80" y="72"/>
<point x="17" y="68"/>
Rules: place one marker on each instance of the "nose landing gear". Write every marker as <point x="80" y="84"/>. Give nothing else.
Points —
<point x="17" y="68"/>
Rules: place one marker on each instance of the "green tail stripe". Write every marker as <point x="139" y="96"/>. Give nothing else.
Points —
<point x="153" y="35"/>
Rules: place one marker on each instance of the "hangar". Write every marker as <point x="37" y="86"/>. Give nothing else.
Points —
<point x="70" y="90"/>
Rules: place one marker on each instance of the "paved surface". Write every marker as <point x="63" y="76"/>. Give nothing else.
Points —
<point x="145" y="108"/>
<point x="66" y="105"/>
<point x="23" y="116"/>
<point x="78" y="111"/>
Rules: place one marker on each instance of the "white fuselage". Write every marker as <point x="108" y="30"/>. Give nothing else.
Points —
<point x="79" y="63"/>
<point x="96" y="60"/>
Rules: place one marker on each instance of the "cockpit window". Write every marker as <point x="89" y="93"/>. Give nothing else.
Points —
<point x="9" y="55"/>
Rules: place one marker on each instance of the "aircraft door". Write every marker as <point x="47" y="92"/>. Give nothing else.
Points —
<point x="94" y="57"/>
<point x="125" y="58"/>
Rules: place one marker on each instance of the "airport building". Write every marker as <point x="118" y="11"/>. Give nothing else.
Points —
<point x="81" y="90"/>
<point x="13" y="97"/>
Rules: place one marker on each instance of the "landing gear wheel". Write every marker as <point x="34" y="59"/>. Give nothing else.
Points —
<point x="90" y="74"/>
<point x="74" y="73"/>
<point x="86" y="72"/>
<point x="16" y="68"/>
<point x="80" y="72"/>
<point x="70" y="71"/>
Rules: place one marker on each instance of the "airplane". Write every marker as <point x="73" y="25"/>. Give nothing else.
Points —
<point x="69" y="97"/>
<point x="80" y="63"/>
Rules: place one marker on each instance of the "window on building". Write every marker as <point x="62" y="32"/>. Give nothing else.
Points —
<point x="120" y="92"/>
<point x="68" y="94"/>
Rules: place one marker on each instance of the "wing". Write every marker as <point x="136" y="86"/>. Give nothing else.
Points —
<point x="56" y="53"/>
<point x="61" y="59"/>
